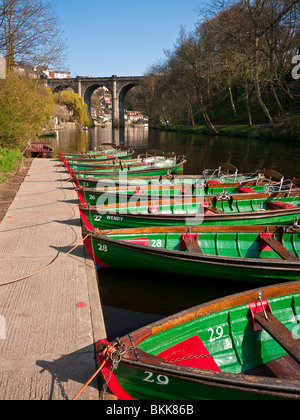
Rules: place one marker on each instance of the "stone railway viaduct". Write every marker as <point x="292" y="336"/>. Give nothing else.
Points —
<point x="85" y="87"/>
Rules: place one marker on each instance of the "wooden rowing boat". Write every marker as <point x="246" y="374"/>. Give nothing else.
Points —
<point x="97" y="157"/>
<point x="241" y="253"/>
<point x="158" y="168"/>
<point x="125" y="194"/>
<point x="116" y="163"/>
<point x="239" y="209"/>
<point x="244" y="346"/>
<point x="41" y="150"/>
<point x="269" y="178"/>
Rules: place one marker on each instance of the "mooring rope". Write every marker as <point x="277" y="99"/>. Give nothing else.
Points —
<point x="47" y="266"/>
<point x="39" y="215"/>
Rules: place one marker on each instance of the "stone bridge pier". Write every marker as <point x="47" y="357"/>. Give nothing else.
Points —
<point x="86" y="86"/>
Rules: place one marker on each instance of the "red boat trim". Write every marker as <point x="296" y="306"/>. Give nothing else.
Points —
<point x="262" y="245"/>
<point x="85" y="219"/>
<point x="241" y="190"/>
<point x="279" y="205"/>
<point x="256" y="307"/>
<point x="81" y="197"/>
<point x="190" y="352"/>
<point x="138" y="241"/>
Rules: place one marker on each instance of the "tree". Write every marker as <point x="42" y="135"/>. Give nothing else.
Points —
<point x="236" y="64"/>
<point x="30" y="33"/>
<point x="75" y="104"/>
<point x="265" y="16"/>
<point x="195" y="60"/>
<point x="26" y="107"/>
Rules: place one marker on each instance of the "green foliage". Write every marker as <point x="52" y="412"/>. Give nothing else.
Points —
<point x="26" y="107"/>
<point x="9" y="161"/>
<point x="234" y="68"/>
<point x="75" y="104"/>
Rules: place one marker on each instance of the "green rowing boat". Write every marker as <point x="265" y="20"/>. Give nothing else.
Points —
<point x="97" y="164"/>
<point x="241" y="253"/>
<point x="240" y="209"/>
<point x="104" y="149"/>
<point x="241" y="347"/>
<point x="97" y="159"/>
<point x="158" y="168"/>
<point x="103" y="195"/>
<point x="273" y="179"/>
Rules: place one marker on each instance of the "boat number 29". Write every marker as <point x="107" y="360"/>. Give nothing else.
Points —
<point x="158" y="379"/>
<point x="215" y="334"/>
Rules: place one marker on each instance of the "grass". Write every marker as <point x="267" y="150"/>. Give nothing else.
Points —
<point x="10" y="160"/>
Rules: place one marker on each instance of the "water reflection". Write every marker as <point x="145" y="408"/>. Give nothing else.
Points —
<point x="202" y="152"/>
<point x="133" y="299"/>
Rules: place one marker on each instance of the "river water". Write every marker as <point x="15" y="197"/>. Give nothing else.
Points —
<point x="132" y="299"/>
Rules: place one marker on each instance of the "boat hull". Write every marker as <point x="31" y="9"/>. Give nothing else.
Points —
<point x="231" y="260"/>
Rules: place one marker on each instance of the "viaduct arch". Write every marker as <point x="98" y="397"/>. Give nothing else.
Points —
<point x="85" y="87"/>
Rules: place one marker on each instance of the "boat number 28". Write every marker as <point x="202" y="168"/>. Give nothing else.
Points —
<point x="158" y="379"/>
<point x="102" y="247"/>
<point x="156" y="243"/>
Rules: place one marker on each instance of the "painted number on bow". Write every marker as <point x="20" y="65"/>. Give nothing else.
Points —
<point x="159" y="379"/>
<point x="216" y="334"/>
<point x="102" y="248"/>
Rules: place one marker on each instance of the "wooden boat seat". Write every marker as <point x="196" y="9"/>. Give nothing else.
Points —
<point x="190" y="352"/>
<point x="208" y="209"/>
<point x="284" y="367"/>
<point x="279" y="333"/>
<point x="190" y="242"/>
<point x="270" y="173"/>
<point x="281" y="250"/>
<point x="228" y="168"/>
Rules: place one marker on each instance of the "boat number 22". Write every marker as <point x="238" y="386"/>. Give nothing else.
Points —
<point x="215" y="334"/>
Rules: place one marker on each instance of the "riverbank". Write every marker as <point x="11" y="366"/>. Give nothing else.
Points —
<point x="10" y="187"/>
<point x="288" y="130"/>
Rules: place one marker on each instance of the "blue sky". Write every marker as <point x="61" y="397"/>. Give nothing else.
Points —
<point x="121" y="37"/>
